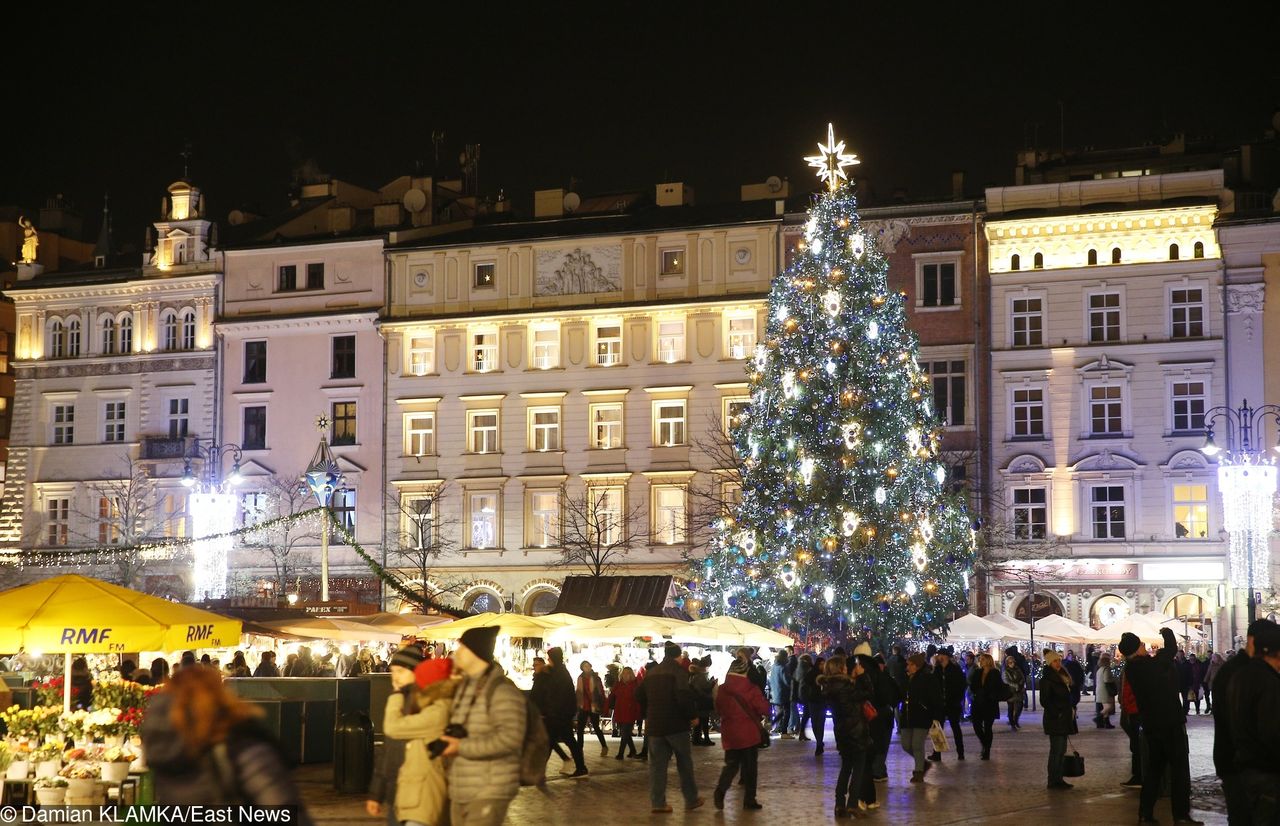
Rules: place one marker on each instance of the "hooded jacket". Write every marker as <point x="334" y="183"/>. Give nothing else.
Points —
<point x="626" y="709"/>
<point x="553" y="694"/>
<point x="487" y="765"/>
<point x="420" y="791"/>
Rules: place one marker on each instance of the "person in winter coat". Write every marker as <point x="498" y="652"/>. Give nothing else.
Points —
<point x="799" y="706"/>
<point x="81" y="685"/>
<point x="590" y="704"/>
<point x="484" y="774"/>
<point x="206" y="747"/>
<point x="1196" y="669"/>
<point x="555" y="697"/>
<point x="1016" y="679"/>
<point x="626" y="710"/>
<point x="1131" y="722"/>
<point x="921" y="708"/>
<point x="1104" y="688"/>
<point x="703" y="687"/>
<point x="742" y="709"/>
<point x="845" y="695"/>
<point x="1076" y="672"/>
<point x="417" y="717"/>
<point x="381" y="796"/>
<point x="815" y="709"/>
<point x="951" y="686"/>
<point x="267" y="665"/>
<point x="1253" y="702"/>
<point x="1224" y="747"/>
<point x="1210" y="673"/>
<point x="897" y="667"/>
<point x="985" y="689"/>
<point x="669" y="712"/>
<point x="1059" y="715"/>
<point x="780" y="694"/>
<point x="238" y="667"/>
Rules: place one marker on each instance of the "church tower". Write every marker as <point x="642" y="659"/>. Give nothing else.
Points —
<point x="184" y="238"/>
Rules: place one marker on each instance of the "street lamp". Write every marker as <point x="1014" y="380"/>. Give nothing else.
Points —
<point x="1247" y="481"/>
<point x="213" y="511"/>
<point x="322" y="478"/>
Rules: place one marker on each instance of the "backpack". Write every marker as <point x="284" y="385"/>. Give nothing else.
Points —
<point x="536" y="744"/>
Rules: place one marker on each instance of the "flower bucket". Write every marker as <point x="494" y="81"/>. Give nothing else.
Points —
<point x="48" y="768"/>
<point x="113" y="740"/>
<point x="82" y="789"/>
<point x="51" y="797"/>
<point x="18" y="770"/>
<point x="114" y="772"/>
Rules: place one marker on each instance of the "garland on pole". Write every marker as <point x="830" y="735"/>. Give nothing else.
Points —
<point x="389" y="579"/>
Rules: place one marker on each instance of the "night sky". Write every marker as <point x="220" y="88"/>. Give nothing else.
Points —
<point x="614" y="95"/>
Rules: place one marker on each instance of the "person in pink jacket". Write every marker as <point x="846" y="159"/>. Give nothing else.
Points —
<point x="742" y="708"/>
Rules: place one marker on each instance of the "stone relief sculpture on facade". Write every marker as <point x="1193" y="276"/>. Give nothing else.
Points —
<point x="578" y="271"/>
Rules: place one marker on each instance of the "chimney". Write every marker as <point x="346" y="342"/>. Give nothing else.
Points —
<point x="674" y="194"/>
<point x="548" y="203"/>
<point x="957" y="186"/>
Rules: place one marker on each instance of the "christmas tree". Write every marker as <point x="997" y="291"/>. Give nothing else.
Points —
<point x="844" y="519"/>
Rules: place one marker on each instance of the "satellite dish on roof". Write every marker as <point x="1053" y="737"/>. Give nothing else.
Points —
<point x="774" y="183"/>
<point x="572" y="202"/>
<point x="235" y="218"/>
<point x="414" y="200"/>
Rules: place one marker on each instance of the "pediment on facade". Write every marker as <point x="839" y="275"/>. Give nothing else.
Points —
<point x="1025" y="463"/>
<point x="1105" y="460"/>
<point x="254" y="468"/>
<point x="1186" y="460"/>
<point x="349" y="466"/>
<point x="1104" y="365"/>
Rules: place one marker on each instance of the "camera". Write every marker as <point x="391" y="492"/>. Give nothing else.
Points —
<point x="436" y="747"/>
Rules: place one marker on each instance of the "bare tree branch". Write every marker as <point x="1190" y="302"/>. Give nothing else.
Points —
<point x="124" y="511"/>
<point x="282" y="496"/>
<point x="597" y="530"/>
<point x="418" y="538"/>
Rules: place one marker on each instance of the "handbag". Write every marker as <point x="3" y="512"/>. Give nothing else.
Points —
<point x="765" y="738"/>
<point x="938" y="737"/>
<point x="869" y="711"/>
<point x="1073" y="763"/>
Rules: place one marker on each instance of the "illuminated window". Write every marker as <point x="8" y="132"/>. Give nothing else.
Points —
<point x="108" y="336"/>
<point x="669" y="514"/>
<point x="287" y="278"/>
<point x="485" y="275"/>
<point x="1028" y="412"/>
<point x="343" y="361"/>
<point x="544" y="428"/>
<point x="343" y="506"/>
<point x="608" y="345"/>
<point x="742" y="337"/>
<point x="173" y="509"/>
<point x="671" y="341"/>
<point x="59" y="522"/>
<point x="948" y="382"/>
<point x="734" y="409"/>
<point x="546" y="347"/>
<point x="668" y="423"/>
<point x="126" y="334"/>
<point x="1173" y="252"/>
<point x="1107" y="504"/>
<point x="255" y="362"/>
<point x="604" y="514"/>
<point x="1190" y="511"/>
<point x="1028" y="322"/>
<point x="113" y="422"/>
<point x="188" y="320"/>
<point x="1030" y="513"/>
<point x="180" y="252"/>
<point x="484" y="352"/>
<point x="482" y="430"/>
<point x="672" y="262"/>
<point x="73" y="338"/>
<point x="1104" y="317"/>
<point x="422" y="355"/>
<point x="1105" y="410"/>
<point x="169" y="330"/>
<point x="1197" y="251"/>
<point x="1186" y="310"/>
<point x="484" y="520"/>
<point x="64" y="424"/>
<point x="344" y="423"/>
<point x="1189" y="399"/>
<point x="606" y="426"/>
<point x="1037" y="261"/>
<point x="419" y="525"/>
<point x="179" y="412"/>
<point x="420" y="434"/>
<point x="108" y="520"/>
<point x="544" y="519"/>
<point x="57" y="340"/>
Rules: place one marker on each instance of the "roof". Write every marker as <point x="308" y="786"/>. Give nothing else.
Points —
<point x="600" y="597"/>
<point x="1102" y="208"/>
<point x="84" y="276"/>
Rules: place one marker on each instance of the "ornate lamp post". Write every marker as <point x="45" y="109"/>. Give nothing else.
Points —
<point x="1247" y="480"/>
<point x="213" y="512"/>
<point x="322" y="478"/>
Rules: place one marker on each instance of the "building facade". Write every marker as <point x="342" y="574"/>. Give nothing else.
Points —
<point x="1106" y="351"/>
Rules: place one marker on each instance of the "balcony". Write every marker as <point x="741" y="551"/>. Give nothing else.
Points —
<point x="163" y="447"/>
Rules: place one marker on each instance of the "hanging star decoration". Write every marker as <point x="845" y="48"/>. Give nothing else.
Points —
<point x="831" y="160"/>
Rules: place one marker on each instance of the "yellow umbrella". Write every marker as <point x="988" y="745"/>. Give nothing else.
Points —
<point x="78" y="614"/>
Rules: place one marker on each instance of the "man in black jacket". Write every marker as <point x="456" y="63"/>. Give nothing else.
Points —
<point x="555" y="697"/>
<point x="669" y="713"/>
<point x="1164" y="723"/>
<point x="1254" y="701"/>
<point x="952" y="687"/>
<point x="1224" y="747"/>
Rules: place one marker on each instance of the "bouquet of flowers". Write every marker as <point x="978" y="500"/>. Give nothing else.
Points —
<point x="72" y="724"/>
<point x="31" y="723"/>
<point x="103" y="722"/>
<point x="80" y="771"/>
<point x="51" y="783"/>
<point x="47" y="752"/>
<point x="6" y="756"/>
<point x="71" y="755"/>
<point x="131" y="720"/>
<point x="114" y="692"/>
<point x="118" y="754"/>
<point x="49" y="691"/>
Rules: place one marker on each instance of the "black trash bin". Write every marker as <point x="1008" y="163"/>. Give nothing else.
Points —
<point x="353" y="753"/>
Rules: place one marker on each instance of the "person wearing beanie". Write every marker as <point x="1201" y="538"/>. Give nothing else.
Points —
<point x="484" y="774"/>
<point x="555" y="696"/>
<point x="885" y="697"/>
<point x="921" y="708"/>
<point x="1058" y="715"/>
<point x="742" y="709"/>
<point x="951" y="687"/>
<point x="416" y="715"/>
<point x="669" y="713"/>
<point x="1155" y="685"/>
<point x="383" y="784"/>
<point x="1253" y="706"/>
<point x="1224" y="747"/>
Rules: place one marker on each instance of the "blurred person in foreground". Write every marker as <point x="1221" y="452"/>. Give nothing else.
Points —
<point x="418" y="715"/>
<point x="1253" y="710"/>
<point x="381" y="795"/>
<point x="206" y="747"/>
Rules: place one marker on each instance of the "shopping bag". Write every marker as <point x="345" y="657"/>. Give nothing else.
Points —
<point x="1073" y="765"/>
<point x="938" y="737"/>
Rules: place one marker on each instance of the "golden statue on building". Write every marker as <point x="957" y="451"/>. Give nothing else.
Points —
<point x="30" y="240"/>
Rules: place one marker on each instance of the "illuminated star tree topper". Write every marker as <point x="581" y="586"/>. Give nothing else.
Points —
<point x="831" y="160"/>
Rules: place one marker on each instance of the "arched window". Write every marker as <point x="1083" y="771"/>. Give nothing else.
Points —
<point x="73" y="338"/>
<point x="169" y="330"/>
<point x="108" y="336"/>
<point x="188" y="329"/>
<point x="484" y="601"/>
<point x="1038" y="261"/>
<point x="1197" y="251"/>
<point x="1042" y="605"/>
<point x="126" y="334"/>
<point x="1093" y="258"/>
<point x="1173" y="252"/>
<point x="540" y="602"/>
<point x="1015" y="263"/>
<point x="57" y="339"/>
<point x="180" y="253"/>
<point x="1115" y="255"/>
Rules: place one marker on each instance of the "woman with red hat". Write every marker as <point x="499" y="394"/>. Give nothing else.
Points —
<point x="418" y="714"/>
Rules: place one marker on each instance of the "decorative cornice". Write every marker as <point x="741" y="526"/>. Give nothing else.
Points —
<point x="1245" y="299"/>
<point x="114" y="366"/>
<point x="130" y="289"/>
<point x="252" y="325"/>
